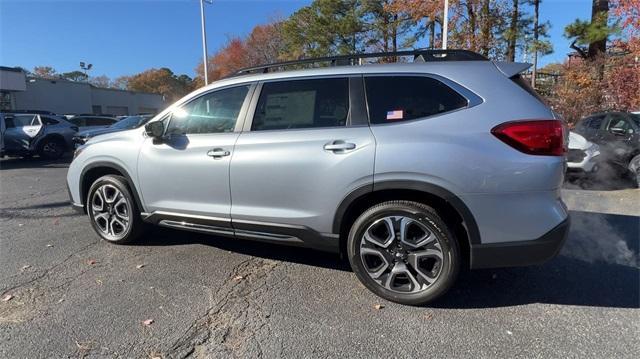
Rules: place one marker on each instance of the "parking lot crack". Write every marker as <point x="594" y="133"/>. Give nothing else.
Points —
<point x="228" y="327"/>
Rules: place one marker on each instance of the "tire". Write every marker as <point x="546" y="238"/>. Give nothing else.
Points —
<point x="634" y="168"/>
<point x="113" y="211"/>
<point x="51" y="148"/>
<point x="386" y="264"/>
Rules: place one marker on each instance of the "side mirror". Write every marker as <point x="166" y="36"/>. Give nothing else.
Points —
<point x="155" y="129"/>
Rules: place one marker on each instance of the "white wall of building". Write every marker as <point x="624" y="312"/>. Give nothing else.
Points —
<point x="67" y="97"/>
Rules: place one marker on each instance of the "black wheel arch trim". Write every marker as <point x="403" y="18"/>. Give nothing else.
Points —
<point x="116" y="167"/>
<point x="429" y="188"/>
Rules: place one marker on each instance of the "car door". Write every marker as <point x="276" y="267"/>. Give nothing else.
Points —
<point x="187" y="173"/>
<point x="307" y="146"/>
<point x="20" y="131"/>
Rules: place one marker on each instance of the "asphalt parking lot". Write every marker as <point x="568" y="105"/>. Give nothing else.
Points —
<point x="180" y="294"/>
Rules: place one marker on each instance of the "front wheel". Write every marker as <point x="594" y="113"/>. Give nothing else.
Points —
<point x="113" y="211"/>
<point x="403" y="252"/>
<point x="51" y="148"/>
<point x="634" y="168"/>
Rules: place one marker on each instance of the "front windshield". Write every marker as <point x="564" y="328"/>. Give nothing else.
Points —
<point x="128" y="122"/>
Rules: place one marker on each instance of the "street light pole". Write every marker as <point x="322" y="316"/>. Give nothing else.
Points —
<point x="204" y="41"/>
<point x="445" y="24"/>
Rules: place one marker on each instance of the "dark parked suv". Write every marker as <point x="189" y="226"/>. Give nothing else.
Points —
<point x="618" y="134"/>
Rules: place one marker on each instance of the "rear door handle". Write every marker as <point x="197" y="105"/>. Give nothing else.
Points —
<point x="218" y="153"/>
<point x="339" y="145"/>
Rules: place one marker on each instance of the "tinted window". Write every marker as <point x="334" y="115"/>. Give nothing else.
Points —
<point x="401" y="98"/>
<point x="302" y="104"/>
<point x="213" y="112"/>
<point x="49" y="120"/>
<point x="20" y="121"/>
<point x="101" y="122"/>
<point x="619" y="122"/>
<point x="595" y="123"/>
<point x="78" y="121"/>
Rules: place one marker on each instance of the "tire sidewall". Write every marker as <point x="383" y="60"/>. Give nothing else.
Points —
<point x="123" y="188"/>
<point x="427" y="217"/>
<point x="47" y="155"/>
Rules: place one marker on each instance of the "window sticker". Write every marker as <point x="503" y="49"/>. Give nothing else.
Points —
<point x="395" y="115"/>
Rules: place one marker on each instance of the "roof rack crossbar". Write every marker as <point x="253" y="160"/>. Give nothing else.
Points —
<point x="419" y="55"/>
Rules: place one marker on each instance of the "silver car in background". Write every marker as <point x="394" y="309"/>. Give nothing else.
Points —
<point x="583" y="156"/>
<point x="412" y="171"/>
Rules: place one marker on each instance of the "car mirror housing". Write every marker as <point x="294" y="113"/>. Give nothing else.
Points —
<point x="155" y="129"/>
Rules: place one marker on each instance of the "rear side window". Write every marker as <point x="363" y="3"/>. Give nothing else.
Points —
<point x="101" y="121"/>
<point x="595" y="123"/>
<point x="49" y="121"/>
<point x="302" y="104"/>
<point x="21" y="121"/>
<point x="79" y="121"/>
<point x="402" y="98"/>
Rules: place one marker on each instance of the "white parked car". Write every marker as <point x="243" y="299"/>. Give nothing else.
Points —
<point x="583" y="156"/>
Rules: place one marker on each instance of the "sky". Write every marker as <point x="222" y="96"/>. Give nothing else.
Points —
<point x="124" y="37"/>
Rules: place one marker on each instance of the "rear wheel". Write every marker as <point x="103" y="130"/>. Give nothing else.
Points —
<point x="634" y="167"/>
<point x="113" y="211"/>
<point x="51" y="148"/>
<point x="403" y="252"/>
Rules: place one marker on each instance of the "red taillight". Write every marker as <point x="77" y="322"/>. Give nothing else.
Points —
<point x="534" y="137"/>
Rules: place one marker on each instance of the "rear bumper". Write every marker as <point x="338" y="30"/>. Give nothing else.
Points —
<point x="521" y="253"/>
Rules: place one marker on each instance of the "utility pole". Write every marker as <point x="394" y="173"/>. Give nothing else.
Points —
<point x="204" y="41"/>
<point x="445" y="24"/>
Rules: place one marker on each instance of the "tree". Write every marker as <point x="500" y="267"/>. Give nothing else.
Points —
<point x="629" y="13"/>
<point x="384" y="27"/>
<point x="325" y="27"/>
<point x="77" y="76"/>
<point x="160" y="81"/>
<point x="46" y="72"/>
<point x="589" y="38"/>
<point x="121" y="82"/>
<point x="101" y="81"/>
<point x="227" y="60"/>
<point x="265" y="44"/>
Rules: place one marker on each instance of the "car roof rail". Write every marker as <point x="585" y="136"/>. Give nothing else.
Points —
<point x="419" y="55"/>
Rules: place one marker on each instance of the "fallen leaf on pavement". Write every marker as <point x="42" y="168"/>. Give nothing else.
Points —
<point x="238" y="277"/>
<point x="148" y="322"/>
<point x="428" y="316"/>
<point x="25" y="267"/>
<point x="378" y="306"/>
<point x="99" y="281"/>
<point x="91" y="262"/>
<point x="140" y="266"/>
<point x="7" y="298"/>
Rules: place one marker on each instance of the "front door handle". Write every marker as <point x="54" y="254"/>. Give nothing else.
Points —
<point x="339" y="145"/>
<point x="218" y="153"/>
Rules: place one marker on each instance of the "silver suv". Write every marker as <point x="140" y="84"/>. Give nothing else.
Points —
<point x="411" y="170"/>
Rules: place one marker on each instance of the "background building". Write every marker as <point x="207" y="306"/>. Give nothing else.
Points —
<point x="21" y="92"/>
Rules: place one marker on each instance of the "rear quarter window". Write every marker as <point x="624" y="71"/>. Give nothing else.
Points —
<point x="402" y="98"/>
